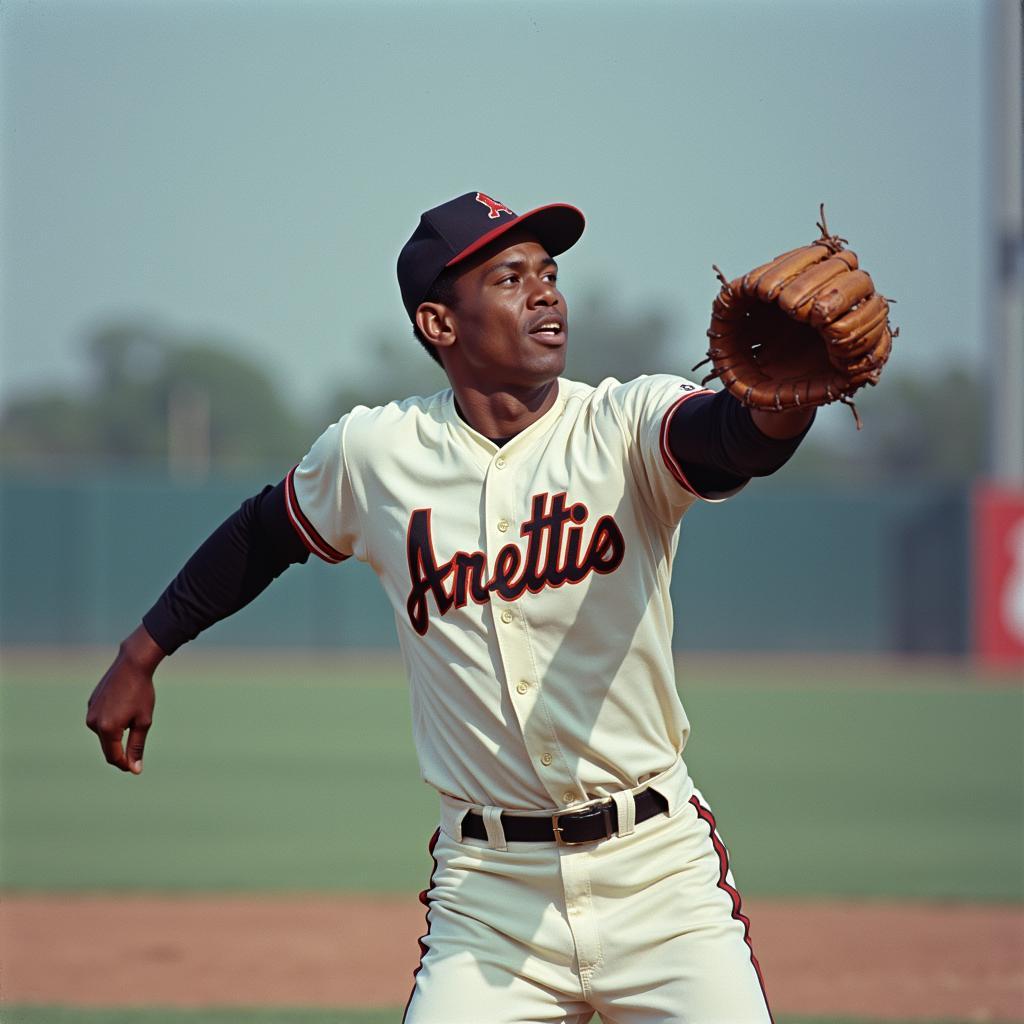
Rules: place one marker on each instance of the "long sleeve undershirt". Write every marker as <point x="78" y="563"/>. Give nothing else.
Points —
<point x="713" y="437"/>
<point x="235" y="564"/>
<point x="719" y="446"/>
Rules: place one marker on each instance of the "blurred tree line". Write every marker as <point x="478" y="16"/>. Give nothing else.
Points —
<point x="154" y="396"/>
<point x="194" y="405"/>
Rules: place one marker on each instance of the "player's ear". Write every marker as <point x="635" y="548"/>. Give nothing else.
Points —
<point x="436" y="324"/>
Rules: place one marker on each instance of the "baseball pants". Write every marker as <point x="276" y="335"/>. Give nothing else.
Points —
<point x="645" y="927"/>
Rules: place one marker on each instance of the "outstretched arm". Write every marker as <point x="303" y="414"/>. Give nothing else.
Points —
<point x="721" y="444"/>
<point x="234" y="564"/>
<point x="782" y="425"/>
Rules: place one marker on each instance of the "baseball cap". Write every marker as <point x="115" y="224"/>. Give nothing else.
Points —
<point x="449" y="233"/>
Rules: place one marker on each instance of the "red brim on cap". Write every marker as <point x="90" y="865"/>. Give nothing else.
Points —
<point x="557" y="227"/>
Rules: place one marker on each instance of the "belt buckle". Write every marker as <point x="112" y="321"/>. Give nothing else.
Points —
<point x="606" y="813"/>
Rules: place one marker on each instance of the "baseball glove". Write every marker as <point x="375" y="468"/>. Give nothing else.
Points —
<point x="806" y="329"/>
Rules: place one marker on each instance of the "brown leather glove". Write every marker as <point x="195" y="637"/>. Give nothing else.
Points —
<point x="806" y="329"/>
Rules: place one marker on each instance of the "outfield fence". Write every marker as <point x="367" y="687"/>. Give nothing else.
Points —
<point x="777" y="568"/>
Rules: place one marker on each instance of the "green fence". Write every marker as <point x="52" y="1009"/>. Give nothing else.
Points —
<point x="81" y="558"/>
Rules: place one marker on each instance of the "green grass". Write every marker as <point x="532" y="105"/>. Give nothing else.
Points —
<point x="292" y="773"/>
<point x="258" y="778"/>
<point x="883" y="791"/>
<point x="64" y="1015"/>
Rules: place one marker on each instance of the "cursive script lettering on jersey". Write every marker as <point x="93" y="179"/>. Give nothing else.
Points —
<point x="555" y="554"/>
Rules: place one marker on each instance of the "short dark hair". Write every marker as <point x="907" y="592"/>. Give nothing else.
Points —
<point x="442" y="291"/>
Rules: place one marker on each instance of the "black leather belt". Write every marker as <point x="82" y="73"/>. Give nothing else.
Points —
<point x="570" y="829"/>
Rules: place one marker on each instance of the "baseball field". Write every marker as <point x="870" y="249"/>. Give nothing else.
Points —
<point x="266" y="864"/>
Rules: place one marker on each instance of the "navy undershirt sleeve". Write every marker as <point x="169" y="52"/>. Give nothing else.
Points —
<point x="718" y="445"/>
<point x="239" y="560"/>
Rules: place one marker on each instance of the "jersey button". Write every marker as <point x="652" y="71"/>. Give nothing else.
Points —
<point x="522" y="686"/>
<point x="500" y="462"/>
<point x="502" y="525"/>
<point x="546" y="759"/>
<point x="506" y="616"/>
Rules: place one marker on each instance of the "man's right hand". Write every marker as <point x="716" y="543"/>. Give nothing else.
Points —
<point x="124" y="699"/>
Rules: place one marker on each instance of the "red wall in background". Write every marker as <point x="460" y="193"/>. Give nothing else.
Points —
<point x="998" y="571"/>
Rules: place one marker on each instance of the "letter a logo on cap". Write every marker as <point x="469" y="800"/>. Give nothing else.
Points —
<point x="494" y="208"/>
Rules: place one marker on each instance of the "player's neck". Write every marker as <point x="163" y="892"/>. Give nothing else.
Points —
<point x="503" y="413"/>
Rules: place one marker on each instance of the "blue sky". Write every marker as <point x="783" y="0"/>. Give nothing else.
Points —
<point x="252" y="169"/>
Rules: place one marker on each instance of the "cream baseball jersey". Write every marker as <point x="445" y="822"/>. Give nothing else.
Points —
<point x="530" y="582"/>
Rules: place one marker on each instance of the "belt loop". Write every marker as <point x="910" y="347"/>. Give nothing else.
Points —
<point x="452" y="814"/>
<point x="626" y="809"/>
<point x="495" y="833"/>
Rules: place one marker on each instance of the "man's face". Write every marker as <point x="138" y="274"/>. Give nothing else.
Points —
<point x="510" y="321"/>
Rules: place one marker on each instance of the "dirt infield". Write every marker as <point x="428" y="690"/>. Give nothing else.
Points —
<point x="865" y="960"/>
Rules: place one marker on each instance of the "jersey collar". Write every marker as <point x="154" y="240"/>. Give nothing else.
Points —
<point x="533" y="431"/>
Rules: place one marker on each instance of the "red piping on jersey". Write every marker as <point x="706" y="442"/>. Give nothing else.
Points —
<point x="704" y="813"/>
<point x="425" y="900"/>
<point x="666" y="452"/>
<point x="304" y="528"/>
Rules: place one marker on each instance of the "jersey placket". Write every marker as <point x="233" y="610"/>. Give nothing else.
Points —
<point x="503" y="511"/>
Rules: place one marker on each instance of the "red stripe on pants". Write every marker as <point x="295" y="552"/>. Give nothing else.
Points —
<point x="704" y="813"/>
<point x="425" y="900"/>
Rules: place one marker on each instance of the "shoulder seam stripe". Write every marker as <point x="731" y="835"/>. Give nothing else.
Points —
<point x="304" y="528"/>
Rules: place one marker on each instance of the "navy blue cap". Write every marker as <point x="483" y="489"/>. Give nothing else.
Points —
<point x="449" y="233"/>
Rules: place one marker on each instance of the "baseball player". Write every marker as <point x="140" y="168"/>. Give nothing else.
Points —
<point x="523" y="526"/>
